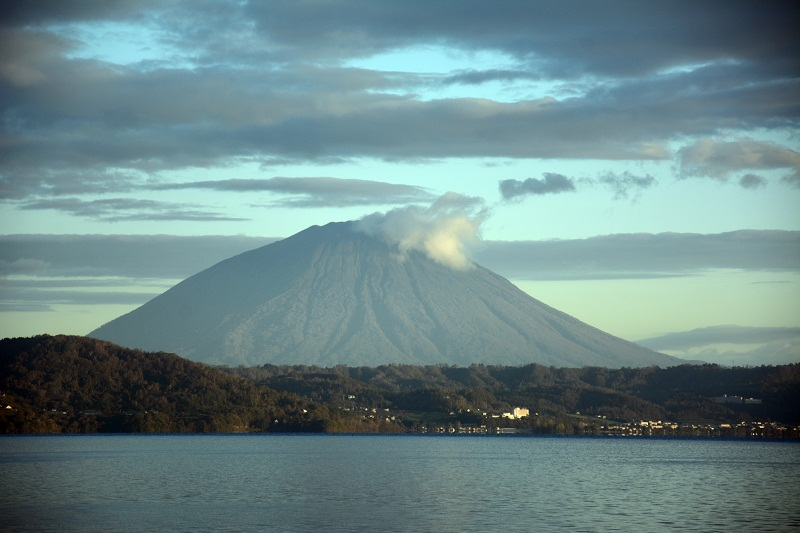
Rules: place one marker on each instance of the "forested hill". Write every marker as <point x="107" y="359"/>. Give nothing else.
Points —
<point x="684" y="394"/>
<point x="68" y="384"/>
<point x="77" y="384"/>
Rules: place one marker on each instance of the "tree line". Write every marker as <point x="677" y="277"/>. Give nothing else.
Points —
<point x="684" y="393"/>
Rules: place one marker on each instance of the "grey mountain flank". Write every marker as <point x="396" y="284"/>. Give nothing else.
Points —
<point x="332" y="295"/>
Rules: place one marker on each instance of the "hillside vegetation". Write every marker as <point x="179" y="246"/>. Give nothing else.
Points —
<point x="67" y="384"/>
<point x="578" y="399"/>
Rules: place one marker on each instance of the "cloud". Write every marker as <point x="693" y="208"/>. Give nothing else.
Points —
<point x="621" y="256"/>
<point x="50" y="269"/>
<point x="25" y="54"/>
<point x="119" y="209"/>
<point x="118" y="256"/>
<point x="35" y="300"/>
<point x="642" y="256"/>
<point x="272" y="81"/>
<point x="558" y="37"/>
<point x="775" y="353"/>
<point x="28" y="183"/>
<point x="219" y="84"/>
<point x="21" y="265"/>
<point x="24" y="307"/>
<point x="752" y="181"/>
<point x="39" y="293"/>
<point x="793" y="180"/>
<point x="317" y="192"/>
<point x="35" y="12"/>
<point x="625" y="184"/>
<point x="729" y="334"/>
<point x="737" y="345"/>
<point x="722" y="159"/>
<point x="39" y="271"/>
<point x="551" y="184"/>
<point x="477" y="77"/>
<point x="445" y="231"/>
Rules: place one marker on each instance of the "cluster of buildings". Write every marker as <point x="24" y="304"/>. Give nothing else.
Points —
<point x="736" y="399"/>
<point x="470" y="429"/>
<point x="658" y="428"/>
<point x="516" y="413"/>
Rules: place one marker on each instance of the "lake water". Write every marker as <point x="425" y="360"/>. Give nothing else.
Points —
<point x="395" y="483"/>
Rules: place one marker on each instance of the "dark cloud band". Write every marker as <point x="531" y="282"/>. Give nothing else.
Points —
<point x="630" y="256"/>
<point x="316" y="192"/>
<point x="605" y="257"/>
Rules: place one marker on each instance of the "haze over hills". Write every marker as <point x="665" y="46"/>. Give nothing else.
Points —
<point x="337" y="294"/>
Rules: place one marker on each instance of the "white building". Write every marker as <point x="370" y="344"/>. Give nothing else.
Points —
<point x="518" y="412"/>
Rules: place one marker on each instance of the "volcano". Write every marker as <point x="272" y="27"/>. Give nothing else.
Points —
<point x="333" y="295"/>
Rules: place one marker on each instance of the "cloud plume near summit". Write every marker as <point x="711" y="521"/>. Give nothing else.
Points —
<point x="445" y="231"/>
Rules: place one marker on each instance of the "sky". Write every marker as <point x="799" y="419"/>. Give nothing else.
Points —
<point x="634" y="164"/>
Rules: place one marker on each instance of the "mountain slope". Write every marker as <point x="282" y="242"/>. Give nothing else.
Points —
<point x="332" y="295"/>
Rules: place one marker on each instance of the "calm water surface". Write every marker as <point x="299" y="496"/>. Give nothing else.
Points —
<point x="395" y="483"/>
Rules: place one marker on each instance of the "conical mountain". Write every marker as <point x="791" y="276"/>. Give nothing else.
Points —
<point x="332" y="295"/>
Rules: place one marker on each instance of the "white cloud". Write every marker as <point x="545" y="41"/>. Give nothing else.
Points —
<point x="445" y="231"/>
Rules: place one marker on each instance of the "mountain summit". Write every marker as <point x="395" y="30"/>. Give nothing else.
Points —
<point x="335" y="295"/>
